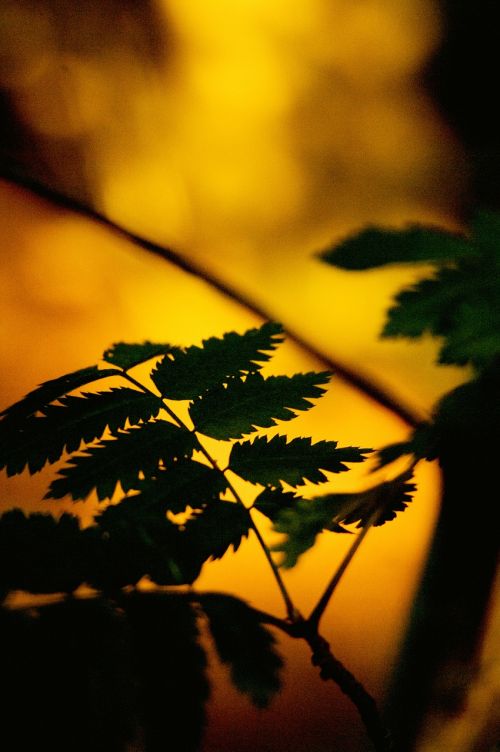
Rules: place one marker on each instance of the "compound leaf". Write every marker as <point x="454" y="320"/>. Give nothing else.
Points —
<point x="36" y="440"/>
<point x="246" y="645"/>
<point x="272" y="461"/>
<point x="54" y="389"/>
<point x="121" y="459"/>
<point x="387" y="499"/>
<point x="185" y="374"/>
<point x="375" y="247"/>
<point x="127" y="356"/>
<point x="307" y="518"/>
<point x="241" y="407"/>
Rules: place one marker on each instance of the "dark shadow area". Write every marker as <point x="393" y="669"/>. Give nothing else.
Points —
<point x="462" y="79"/>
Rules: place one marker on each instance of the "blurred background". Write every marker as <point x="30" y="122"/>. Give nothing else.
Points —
<point x="246" y="136"/>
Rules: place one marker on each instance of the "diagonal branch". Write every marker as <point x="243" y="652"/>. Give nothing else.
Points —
<point x="367" y="386"/>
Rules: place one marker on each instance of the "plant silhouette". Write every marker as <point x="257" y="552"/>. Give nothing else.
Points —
<point x="178" y="509"/>
<point x="459" y="302"/>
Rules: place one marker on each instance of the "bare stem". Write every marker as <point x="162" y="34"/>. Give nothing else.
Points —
<point x="290" y="608"/>
<point x="365" y="384"/>
<point x="324" y="600"/>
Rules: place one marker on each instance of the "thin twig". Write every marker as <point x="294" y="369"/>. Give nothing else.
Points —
<point x="364" y="384"/>
<point x="323" y="602"/>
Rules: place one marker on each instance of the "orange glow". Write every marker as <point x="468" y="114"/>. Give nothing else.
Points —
<point x="270" y="129"/>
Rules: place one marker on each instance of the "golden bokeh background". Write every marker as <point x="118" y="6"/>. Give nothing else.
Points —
<point x="247" y="136"/>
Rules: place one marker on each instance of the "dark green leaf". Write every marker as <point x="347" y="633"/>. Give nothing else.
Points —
<point x="427" y="306"/>
<point x="422" y="444"/>
<point x="270" y="462"/>
<point x="376" y="247"/>
<point x="55" y="388"/>
<point x="170" y="669"/>
<point x="244" y="643"/>
<point x="185" y="374"/>
<point x="229" y="412"/>
<point x="271" y="501"/>
<point x="186" y="483"/>
<point x="460" y="304"/>
<point x="305" y="520"/>
<point x="122" y="459"/>
<point x="301" y="524"/>
<point x="127" y="356"/>
<point x="217" y="527"/>
<point x="36" y="440"/>
<point x="387" y="499"/>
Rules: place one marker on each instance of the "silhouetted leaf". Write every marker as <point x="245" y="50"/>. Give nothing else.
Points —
<point x="387" y="498"/>
<point x="186" y="483"/>
<point x="121" y="459"/>
<point x="460" y="302"/>
<point x="302" y="522"/>
<point x="217" y="527"/>
<point x="271" y="501"/>
<point x="185" y="374"/>
<point x="55" y="388"/>
<point x="36" y="440"/>
<point x="170" y="669"/>
<point x="229" y="412"/>
<point x="378" y="247"/>
<point x="272" y="461"/>
<point x="133" y="540"/>
<point x="245" y="644"/>
<point x="127" y="356"/>
<point x="421" y="444"/>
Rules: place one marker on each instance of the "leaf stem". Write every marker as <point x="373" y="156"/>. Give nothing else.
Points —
<point x="365" y="384"/>
<point x="290" y="608"/>
<point x="324" y="600"/>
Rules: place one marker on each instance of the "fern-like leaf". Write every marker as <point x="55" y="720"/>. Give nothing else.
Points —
<point x="387" y="499"/>
<point x="270" y="462"/>
<point x="460" y="302"/>
<point x="246" y="645"/>
<point x="185" y="374"/>
<point x="54" y="389"/>
<point x="125" y="355"/>
<point x="121" y="459"/>
<point x="305" y="520"/>
<point x="63" y="427"/>
<point x="241" y="407"/>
